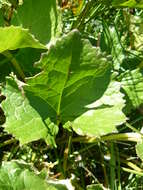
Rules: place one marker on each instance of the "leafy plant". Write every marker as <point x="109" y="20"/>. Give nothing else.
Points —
<point x="70" y="93"/>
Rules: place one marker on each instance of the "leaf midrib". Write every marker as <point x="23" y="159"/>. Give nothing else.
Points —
<point x="61" y="94"/>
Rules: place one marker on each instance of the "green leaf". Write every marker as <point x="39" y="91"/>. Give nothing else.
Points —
<point x="17" y="175"/>
<point x="104" y="114"/>
<point x="42" y="18"/>
<point x="12" y="38"/>
<point x="136" y="28"/>
<point x="4" y="67"/>
<point x="132" y="83"/>
<point x="26" y="58"/>
<point x="128" y="3"/>
<point x="1" y="17"/>
<point x="94" y="187"/>
<point x="74" y="74"/>
<point x="64" y="184"/>
<point x="22" y="120"/>
<point x="139" y="150"/>
<point x="110" y="43"/>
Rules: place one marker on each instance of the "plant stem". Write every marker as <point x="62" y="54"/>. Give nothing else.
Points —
<point x="134" y="137"/>
<point x="14" y="62"/>
<point x="86" y="11"/>
<point x="119" y="168"/>
<point x="66" y="153"/>
<point x="131" y="165"/>
<point x="132" y="171"/>
<point x="112" y="166"/>
<point x="8" y="142"/>
<point x="106" y="183"/>
<point x="133" y="128"/>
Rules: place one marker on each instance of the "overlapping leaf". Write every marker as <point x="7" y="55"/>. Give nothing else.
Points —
<point x="26" y="58"/>
<point x="22" y="120"/>
<point x="74" y="75"/>
<point x="12" y="38"/>
<point x="19" y="176"/>
<point x="132" y="83"/>
<point x="104" y="115"/>
<point x="42" y="18"/>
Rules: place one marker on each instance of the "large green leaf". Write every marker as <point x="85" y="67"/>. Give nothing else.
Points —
<point x="19" y="176"/>
<point x="104" y="114"/>
<point x="74" y="75"/>
<point x="128" y="3"/>
<point x="12" y="38"/>
<point x="22" y="120"/>
<point x="42" y="18"/>
<point x="132" y="83"/>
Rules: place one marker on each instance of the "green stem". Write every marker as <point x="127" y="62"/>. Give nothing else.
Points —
<point x="14" y="62"/>
<point x="133" y="128"/>
<point x="112" y="166"/>
<point x="131" y="165"/>
<point x="106" y="184"/>
<point x="95" y="179"/>
<point x="132" y="171"/>
<point x="119" y="168"/>
<point x="66" y="153"/>
<point x="84" y="14"/>
<point x="133" y="137"/>
<point x="5" y="143"/>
